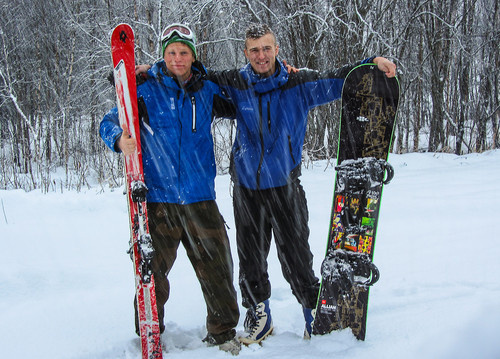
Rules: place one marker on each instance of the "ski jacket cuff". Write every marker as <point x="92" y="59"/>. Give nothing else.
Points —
<point x="368" y="60"/>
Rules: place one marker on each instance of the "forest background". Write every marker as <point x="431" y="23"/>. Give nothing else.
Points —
<point x="55" y="60"/>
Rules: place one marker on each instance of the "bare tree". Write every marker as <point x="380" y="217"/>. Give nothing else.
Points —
<point x="54" y="64"/>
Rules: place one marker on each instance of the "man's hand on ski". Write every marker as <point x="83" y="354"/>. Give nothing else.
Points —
<point x="386" y="66"/>
<point x="126" y="143"/>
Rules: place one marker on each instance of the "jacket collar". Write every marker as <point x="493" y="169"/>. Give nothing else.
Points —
<point x="199" y="72"/>
<point x="265" y="84"/>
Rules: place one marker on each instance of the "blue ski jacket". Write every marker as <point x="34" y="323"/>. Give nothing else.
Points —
<point x="175" y="130"/>
<point x="271" y="117"/>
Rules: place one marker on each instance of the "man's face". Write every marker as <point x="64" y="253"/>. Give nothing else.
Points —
<point x="262" y="54"/>
<point x="179" y="58"/>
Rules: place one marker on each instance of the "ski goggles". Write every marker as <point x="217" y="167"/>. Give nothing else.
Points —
<point x="179" y="30"/>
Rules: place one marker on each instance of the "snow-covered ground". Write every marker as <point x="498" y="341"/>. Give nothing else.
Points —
<point x="66" y="282"/>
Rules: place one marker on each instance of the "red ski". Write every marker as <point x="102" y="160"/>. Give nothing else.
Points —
<point x="122" y="50"/>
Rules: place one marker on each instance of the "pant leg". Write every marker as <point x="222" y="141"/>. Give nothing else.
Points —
<point x="290" y="218"/>
<point x="253" y="237"/>
<point x="166" y="232"/>
<point x="207" y="247"/>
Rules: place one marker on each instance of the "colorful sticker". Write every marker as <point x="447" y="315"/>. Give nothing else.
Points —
<point x="354" y="205"/>
<point x="351" y="242"/>
<point x="337" y="223"/>
<point x="365" y="244"/>
<point x="371" y="205"/>
<point x="368" y="222"/>
<point x="339" y="203"/>
<point x="339" y="240"/>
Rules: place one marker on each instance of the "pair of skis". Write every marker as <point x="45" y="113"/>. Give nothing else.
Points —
<point x="141" y="246"/>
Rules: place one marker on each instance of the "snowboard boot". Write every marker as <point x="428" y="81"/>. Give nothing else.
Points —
<point x="258" y="324"/>
<point x="309" y="317"/>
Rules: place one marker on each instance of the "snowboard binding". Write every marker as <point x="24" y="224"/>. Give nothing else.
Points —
<point x="363" y="174"/>
<point x="347" y="269"/>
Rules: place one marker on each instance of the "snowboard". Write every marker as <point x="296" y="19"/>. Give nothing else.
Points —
<point x="368" y="115"/>
<point x="141" y="247"/>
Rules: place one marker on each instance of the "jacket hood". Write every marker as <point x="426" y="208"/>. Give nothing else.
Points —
<point x="265" y="84"/>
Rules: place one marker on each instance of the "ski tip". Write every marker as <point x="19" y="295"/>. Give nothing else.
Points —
<point x="123" y="25"/>
<point x="122" y="31"/>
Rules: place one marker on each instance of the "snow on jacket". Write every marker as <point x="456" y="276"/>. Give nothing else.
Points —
<point x="272" y="119"/>
<point x="177" y="145"/>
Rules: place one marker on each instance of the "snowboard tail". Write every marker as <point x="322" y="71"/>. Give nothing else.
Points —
<point x="368" y="115"/>
<point x="141" y="247"/>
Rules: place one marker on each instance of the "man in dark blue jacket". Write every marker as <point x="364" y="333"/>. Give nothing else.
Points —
<point x="272" y="107"/>
<point x="176" y="106"/>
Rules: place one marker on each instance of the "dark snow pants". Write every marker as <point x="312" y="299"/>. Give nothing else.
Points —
<point x="281" y="211"/>
<point x="201" y="230"/>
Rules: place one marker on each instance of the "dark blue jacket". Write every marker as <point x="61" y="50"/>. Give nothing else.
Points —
<point x="177" y="145"/>
<point x="272" y="119"/>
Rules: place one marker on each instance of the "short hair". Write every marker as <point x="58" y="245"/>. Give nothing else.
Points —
<point x="255" y="31"/>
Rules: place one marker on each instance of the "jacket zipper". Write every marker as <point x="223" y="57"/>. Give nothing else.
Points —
<point x="261" y="142"/>
<point x="193" y="108"/>
<point x="290" y="148"/>
<point x="269" y="116"/>
<point x="179" y="181"/>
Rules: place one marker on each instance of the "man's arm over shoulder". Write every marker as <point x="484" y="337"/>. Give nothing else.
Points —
<point x="223" y="108"/>
<point x="382" y="63"/>
<point x="227" y="78"/>
<point x="325" y="86"/>
<point x="338" y="73"/>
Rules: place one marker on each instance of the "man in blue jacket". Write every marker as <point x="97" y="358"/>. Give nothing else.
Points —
<point x="176" y="106"/>
<point x="272" y="107"/>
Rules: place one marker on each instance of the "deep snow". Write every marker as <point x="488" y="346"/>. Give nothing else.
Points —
<point x="66" y="282"/>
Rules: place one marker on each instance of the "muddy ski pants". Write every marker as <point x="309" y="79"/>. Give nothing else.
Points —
<point x="201" y="230"/>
